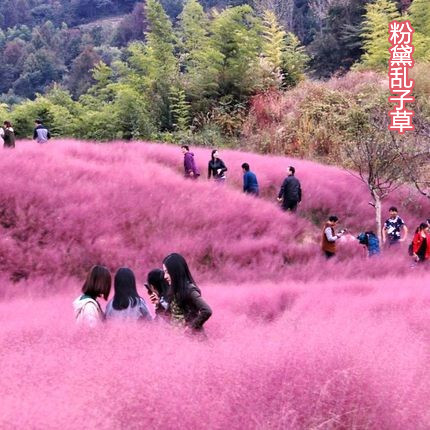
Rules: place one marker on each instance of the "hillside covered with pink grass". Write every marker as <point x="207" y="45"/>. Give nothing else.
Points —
<point x="295" y="341"/>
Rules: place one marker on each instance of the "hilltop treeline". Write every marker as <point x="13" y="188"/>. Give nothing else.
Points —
<point x="209" y="76"/>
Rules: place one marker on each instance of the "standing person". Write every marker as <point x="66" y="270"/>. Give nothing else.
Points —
<point x="41" y="133"/>
<point x="216" y="167"/>
<point x="87" y="309"/>
<point x="8" y="135"/>
<point x="126" y="302"/>
<point x="290" y="193"/>
<point x="421" y="243"/>
<point x="393" y="227"/>
<point x="250" y="183"/>
<point x="187" y="308"/>
<point x="158" y="290"/>
<point x="329" y="236"/>
<point x="191" y="170"/>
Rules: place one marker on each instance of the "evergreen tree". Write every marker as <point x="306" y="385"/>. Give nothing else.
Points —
<point x="235" y="36"/>
<point x="192" y="32"/>
<point x="152" y="68"/>
<point x="180" y="110"/>
<point x="375" y="33"/>
<point x="420" y="20"/>
<point x="273" y="46"/>
<point x="420" y="16"/>
<point x="160" y="41"/>
<point x="294" y="61"/>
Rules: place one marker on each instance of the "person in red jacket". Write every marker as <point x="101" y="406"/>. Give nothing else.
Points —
<point x="421" y="243"/>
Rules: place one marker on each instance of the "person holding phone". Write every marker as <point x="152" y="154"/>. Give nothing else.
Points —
<point x="126" y="302"/>
<point x="329" y="236"/>
<point x="158" y="291"/>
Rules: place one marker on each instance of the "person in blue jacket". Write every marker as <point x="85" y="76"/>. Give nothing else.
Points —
<point x="250" y="183"/>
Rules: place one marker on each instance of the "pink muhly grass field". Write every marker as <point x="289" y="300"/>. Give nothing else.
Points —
<point x="295" y="342"/>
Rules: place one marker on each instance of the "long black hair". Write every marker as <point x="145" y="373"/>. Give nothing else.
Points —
<point x="125" y="289"/>
<point x="180" y="276"/>
<point x="156" y="279"/>
<point x="213" y="159"/>
<point x="421" y="227"/>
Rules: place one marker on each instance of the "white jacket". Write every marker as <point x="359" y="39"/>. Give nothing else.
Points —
<point x="87" y="311"/>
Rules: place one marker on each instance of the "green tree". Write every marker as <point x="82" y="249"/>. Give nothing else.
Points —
<point x="375" y="33"/>
<point x="420" y="16"/>
<point x="420" y="19"/>
<point x="294" y="61"/>
<point x="235" y="36"/>
<point x="161" y="41"/>
<point x="273" y="46"/>
<point x="180" y="108"/>
<point x="193" y="37"/>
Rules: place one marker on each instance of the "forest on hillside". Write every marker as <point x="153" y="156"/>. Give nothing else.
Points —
<point x="43" y="42"/>
<point x="237" y="76"/>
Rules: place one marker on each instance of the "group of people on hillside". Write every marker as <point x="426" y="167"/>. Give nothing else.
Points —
<point x="41" y="133"/>
<point x="290" y="195"/>
<point x="394" y="232"/>
<point x="176" y="298"/>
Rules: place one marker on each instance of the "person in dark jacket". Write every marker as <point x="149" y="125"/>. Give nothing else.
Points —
<point x="290" y="193"/>
<point x="41" y="133"/>
<point x="190" y="167"/>
<point x="187" y="307"/>
<point x="216" y="167"/>
<point x="250" y="183"/>
<point x="8" y="135"/>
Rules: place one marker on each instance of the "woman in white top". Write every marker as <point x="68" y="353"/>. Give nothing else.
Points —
<point x="87" y="309"/>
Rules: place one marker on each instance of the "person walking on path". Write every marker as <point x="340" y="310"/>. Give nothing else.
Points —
<point x="329" y="236"/>
<point x="393" y="227"/>
<point x="216" y="167"/>
<point x="191" y="170"/>
<point x="41" y="133"/>
<point x="290" y="194"/>
<point x="8" y="135"/>
<point x="250" y="183"/>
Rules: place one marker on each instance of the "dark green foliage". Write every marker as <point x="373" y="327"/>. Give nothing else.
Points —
<point x="338" y="45"/>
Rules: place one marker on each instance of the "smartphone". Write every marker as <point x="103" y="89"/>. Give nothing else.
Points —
<point x="150" y="290"/>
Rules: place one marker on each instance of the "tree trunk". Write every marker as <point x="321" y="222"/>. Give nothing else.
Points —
<point x="378" y="215"/>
